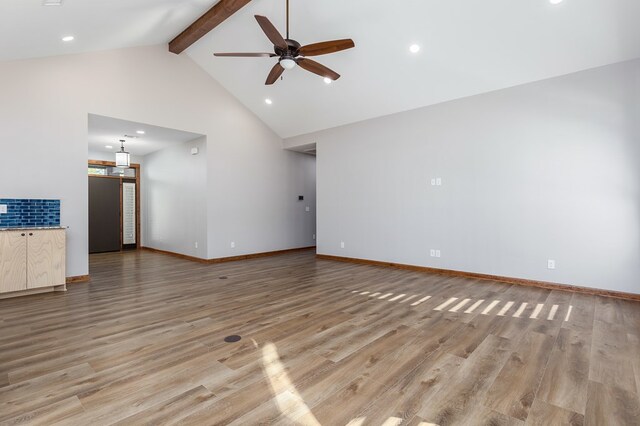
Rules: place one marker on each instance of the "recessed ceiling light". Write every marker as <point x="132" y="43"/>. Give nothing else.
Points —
<point x="140" y="132"/>
<point x="414" y="48"/>
<point x="68" y="38"/>
<point x="555" y="1"/>
<point x="108" y="146"/>
<point x="327" y="80"/>
<point x="268" y="101"/>
<point x="52" y="2"/>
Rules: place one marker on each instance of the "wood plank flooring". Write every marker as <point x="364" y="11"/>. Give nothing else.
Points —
<point x="323" y="343"/>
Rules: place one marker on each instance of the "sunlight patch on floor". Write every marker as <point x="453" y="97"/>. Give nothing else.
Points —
<point x="289" y="401"/>
<point x="450" y="305"/>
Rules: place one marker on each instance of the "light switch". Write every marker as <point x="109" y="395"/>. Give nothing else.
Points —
<point x="3" y="209"/>
<point x="307" y="209"/>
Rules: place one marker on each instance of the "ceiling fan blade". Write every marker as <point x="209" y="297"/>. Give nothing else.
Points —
<point x="325" y="47"/>
<point x="316" y="68"/>
<point x="271" y="32"/>
<point x="246" y="55"/>
<point x="275" y="73"/>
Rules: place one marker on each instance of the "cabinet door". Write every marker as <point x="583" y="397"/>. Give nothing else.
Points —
<point x="13" y="261"/>
<point x="45" y="258"/>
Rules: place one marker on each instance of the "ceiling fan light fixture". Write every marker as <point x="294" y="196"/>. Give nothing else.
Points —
<point x="288" y="63"/>
<point x="327" y="80"/>
<point x="291" y="53"/>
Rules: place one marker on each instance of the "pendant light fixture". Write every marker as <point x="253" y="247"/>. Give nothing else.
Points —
<point x="122" y="157"/>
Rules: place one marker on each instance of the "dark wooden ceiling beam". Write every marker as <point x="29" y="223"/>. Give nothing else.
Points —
<point x="219" y="13"/>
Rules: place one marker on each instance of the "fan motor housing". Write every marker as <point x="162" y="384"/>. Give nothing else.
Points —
<point x="293" y="49"/>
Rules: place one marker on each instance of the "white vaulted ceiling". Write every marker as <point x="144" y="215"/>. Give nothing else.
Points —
<point x="108" y="131"/>
<point x="28" y="29"/>
<point x="467" y="47"/>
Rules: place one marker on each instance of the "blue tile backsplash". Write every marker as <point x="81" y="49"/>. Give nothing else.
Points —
<point x="23" y="213"/>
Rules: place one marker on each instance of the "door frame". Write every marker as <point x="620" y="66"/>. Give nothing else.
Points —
<point x="131" y="166"/>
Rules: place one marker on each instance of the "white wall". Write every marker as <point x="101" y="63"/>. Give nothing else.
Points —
<point x="548" y="170"/>
<point x="173" y="199"/>
<point x="258" y="208"/>
<point x="43" y="126"/>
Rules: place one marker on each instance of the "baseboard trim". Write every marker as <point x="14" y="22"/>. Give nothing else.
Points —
<point x="173" y="254"/>
<point x="78" y="279"/>
<point x="33" y="291"/>
<point x="228" y="259"/>
<point x="474" y="275"/>
<point x="257" y="255"/>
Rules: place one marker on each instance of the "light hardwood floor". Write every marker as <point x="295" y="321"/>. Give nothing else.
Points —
<point x="322" y="343"/>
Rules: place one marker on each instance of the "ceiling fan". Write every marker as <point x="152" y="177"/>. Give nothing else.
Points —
<point x="291" y="53"/>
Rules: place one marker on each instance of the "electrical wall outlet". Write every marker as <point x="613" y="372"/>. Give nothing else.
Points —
<point x="307" y="209"/>
<point x="432" y="253"/>
<point x="233" y="244"/>
<point x="195" y="244"/>
<point x="3" y="209"/>
<point x="433" y="181"/>
<point x="437" y="253"/>
<point x="341" y="244"/>
<point x="551" y="264"/>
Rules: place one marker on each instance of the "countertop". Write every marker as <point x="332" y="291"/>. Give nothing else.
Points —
<point x="33" y="228"/>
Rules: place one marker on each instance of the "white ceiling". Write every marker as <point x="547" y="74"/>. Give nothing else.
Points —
<point x="468" y="47"/>
<point x="105" y="131"/>
<point x="28" y="29"/>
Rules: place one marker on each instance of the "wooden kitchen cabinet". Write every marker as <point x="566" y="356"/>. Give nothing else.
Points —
<point x="32" y="260"/>
<point x="13" y="261"/>
<point x="45" y="258"/>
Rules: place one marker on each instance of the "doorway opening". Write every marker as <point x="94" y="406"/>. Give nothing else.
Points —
<point x="306" y="183"/>
<point x="114" y="207"/>
<point x="157" y="203"/>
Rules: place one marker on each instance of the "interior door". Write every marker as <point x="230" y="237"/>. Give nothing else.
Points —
<point x="104" y="214"/>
